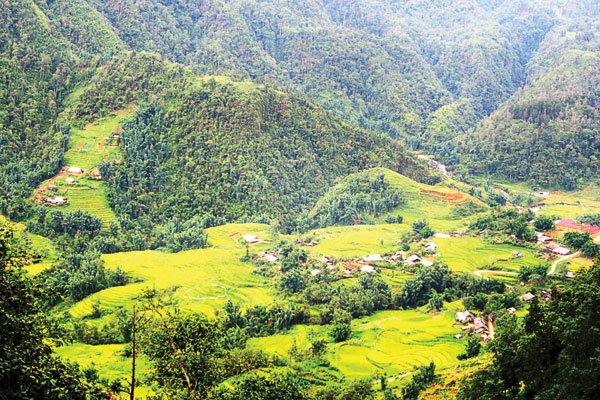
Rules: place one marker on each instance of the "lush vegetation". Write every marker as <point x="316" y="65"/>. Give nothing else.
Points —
<point x="536" y="127"/>
<point x="198" y="125"/>
<point x="359" y="199"/>
<point x="538" y="358"/>
<point x="28" y="368"/>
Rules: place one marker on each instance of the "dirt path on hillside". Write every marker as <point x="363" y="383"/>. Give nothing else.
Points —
<point x="565" y="258"/>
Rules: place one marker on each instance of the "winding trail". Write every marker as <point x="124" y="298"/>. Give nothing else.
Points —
<point x="565" y="258"/>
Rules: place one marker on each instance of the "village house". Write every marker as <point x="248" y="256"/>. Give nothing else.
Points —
<point x="546" y="294"/>
<point x="570" y="225"/>
<point x="394" y="257"/>
<point x="251" y="239"/>
<point x="570" y="275"/>
<point x="464" y="317"/>
<point x="511" y="310"/>
<point x="426" y="263"/>
<point x="368" y="269"/>
<point x="541" y="238"/>
<point x="480" y="326"/>
<point x="73" y="170"/>
<point x="268" y="257"/>
<point x="458" y="337"/>
<point x="325" y="260"/>
<point x="57" y="200"/>
<point x="315" y="272"/>
<point x="412" y="260"/>
<point x="527" y="297"/>
<point x="431" y="246"/>
<point x="70" y="181"/>
<point x="562" y="251"/>
<point x="372" y="258"/>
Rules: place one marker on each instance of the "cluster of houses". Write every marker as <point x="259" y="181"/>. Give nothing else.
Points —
<point x="349" y="268"/>
<point x="563" y="226"/>
<point x="545" y="296"/>
<point x="570" y="225"/>
<point x="306" y="242"/>
<point x="476" y="325"/>
<point x="363" y="264"/>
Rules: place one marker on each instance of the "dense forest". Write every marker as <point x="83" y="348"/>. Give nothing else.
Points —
<point x="552" y="122"/>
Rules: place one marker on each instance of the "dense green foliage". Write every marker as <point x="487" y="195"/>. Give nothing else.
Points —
<point x="583" y="242"/>
<point x="592" y="219"/>
<point x="547" y="133"/>
<point x="28" y="369"/>
<point x="472" y="348"/>
<point x="506" y="221"/>
<point x="424" y="377"/>
<point x="553" y="354"/>
<point x="36" y="73"/>
<point x="356" y="200"/>
<point x="235" y="151"/>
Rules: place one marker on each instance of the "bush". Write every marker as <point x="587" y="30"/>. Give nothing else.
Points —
<point x="340" y="332"/>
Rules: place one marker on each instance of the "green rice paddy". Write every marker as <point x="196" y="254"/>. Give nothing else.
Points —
<point x="357" y="240"/>
<point x="108" y="360"/>
<point x="394" y="342"/>
<point x="469" y="254"/>
<point x="87" y="147"/>
<point x="204" y="279"/>
<point x="433" y="203"/>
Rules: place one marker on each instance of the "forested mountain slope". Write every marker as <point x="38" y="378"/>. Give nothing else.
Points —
<point x="385" y="65"/>
<point x="36" y="71"/>
<point x="227" y="150"/>
<point x="549" y="131"/>
<point x="424" y="71"/>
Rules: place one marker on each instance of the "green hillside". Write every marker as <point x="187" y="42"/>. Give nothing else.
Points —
<point x="227" y="150"/>
<point x="547" y="133"/>
<point x="415" y="201"/>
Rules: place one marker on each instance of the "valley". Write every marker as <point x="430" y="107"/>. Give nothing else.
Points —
<point x="299" y="200"/>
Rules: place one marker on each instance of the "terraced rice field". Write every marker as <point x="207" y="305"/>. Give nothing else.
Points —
<point x="564" y="204"/>
<point x="392" y="341"/>
<point x="357" y="240"/>
<point x="469" y="254"/>
<point x="87" y="146"/>
<point x="204" y="279"/>
<point x="433" y="203"/>
<point x="90" y="196"/>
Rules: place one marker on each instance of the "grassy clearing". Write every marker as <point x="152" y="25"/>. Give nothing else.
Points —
<point x="204" y="279"/>
<point x="563" y="204"/>
<point x="469" y="254"/>
<point x="390" y="341"/>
